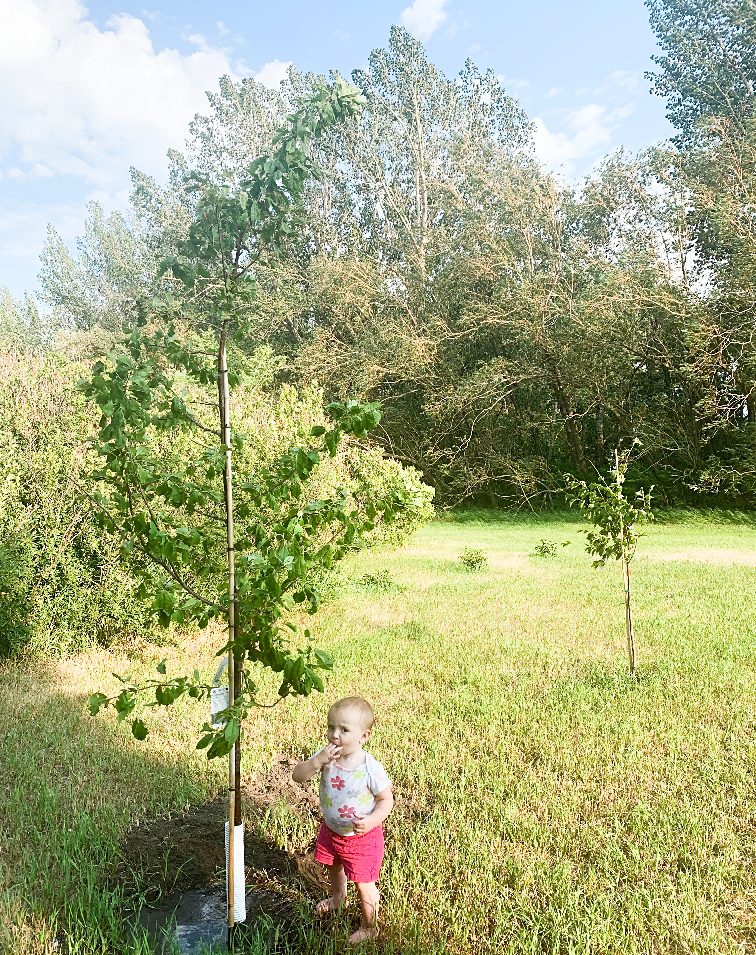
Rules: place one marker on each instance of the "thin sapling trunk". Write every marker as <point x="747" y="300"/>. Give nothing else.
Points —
<point x="629" y="618"/>
<point x="626" y="556"/>
<point x="234" y="757"/>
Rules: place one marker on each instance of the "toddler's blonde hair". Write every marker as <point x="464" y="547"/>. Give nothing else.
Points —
<point x="362" y="707"/>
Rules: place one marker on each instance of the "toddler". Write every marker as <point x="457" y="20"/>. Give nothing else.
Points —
<point x="355" y="798"/>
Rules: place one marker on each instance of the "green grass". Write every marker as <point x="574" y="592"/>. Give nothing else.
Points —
<point x="546" y="803"/>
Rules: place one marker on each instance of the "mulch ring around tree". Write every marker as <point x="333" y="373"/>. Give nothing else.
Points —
<point x="177" y="865"/>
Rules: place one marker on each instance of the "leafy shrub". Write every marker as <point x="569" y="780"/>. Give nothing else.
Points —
<point x="16" y="568"/>
<point x="472" y="558"/>
<point x="62" y="585"/>
<point x="547" y="548"/>
<point x="381" y="581"/>
<point x="273" y="419"/>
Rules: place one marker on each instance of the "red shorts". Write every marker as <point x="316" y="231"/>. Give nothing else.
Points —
<point x="361" y="856"/>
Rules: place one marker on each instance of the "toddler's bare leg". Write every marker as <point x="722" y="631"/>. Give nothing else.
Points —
<point x="369" y="898"/>
<point x="338" y="890"/>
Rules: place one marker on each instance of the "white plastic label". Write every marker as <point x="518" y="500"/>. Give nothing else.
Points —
<point x="218" y="703"/>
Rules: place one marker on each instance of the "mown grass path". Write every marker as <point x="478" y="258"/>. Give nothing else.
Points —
<point x="545" y="803"/>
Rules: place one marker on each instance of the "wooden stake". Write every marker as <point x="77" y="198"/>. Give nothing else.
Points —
<point x="234" y="809"/>
<point x="629" y="618"/>
<point x="626" y="578"/>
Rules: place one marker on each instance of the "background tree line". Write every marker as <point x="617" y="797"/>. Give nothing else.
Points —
<point x="514" y="328"/>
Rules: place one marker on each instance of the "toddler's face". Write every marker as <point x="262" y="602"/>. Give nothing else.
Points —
<point x="346" y="730"/>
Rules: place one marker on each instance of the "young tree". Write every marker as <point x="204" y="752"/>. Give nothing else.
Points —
<point x="615" y="520"/>
<point x="166" y="467"/>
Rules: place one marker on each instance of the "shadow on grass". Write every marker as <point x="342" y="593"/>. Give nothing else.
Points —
<point x="606" y="680"/>
<point x="513" y="516"/>
<point x="664" y="515"/>
<point x="96" y="831"/>
<point x="705" y="515"/>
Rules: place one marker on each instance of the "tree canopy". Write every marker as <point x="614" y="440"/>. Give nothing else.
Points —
<point x="512" y="326"/>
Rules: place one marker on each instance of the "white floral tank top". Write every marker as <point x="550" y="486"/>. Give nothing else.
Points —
<point x="346" y="794"/>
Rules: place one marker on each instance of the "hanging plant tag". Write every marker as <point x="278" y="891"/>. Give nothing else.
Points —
<point x="218" y="703"/>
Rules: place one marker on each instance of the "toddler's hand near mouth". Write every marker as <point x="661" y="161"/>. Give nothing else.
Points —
<point x="327" y="755"/>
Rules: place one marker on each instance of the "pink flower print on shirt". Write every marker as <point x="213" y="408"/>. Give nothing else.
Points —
<point x="337" y="782"/>
<point x="347" y="812"/>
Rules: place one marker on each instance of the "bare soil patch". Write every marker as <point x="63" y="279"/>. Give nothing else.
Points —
<point x="177" y="864"/>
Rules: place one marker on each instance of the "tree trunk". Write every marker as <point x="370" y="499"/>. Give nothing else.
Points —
<point x="600" y="443"/>
<point x="572" y="432"/>
<point x="234" y="667"/>
<point x="625" y="574"/>
<point x="629" y="618"/>
<point x="236" y="752"/>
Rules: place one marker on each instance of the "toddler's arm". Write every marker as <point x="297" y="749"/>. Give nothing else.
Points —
<point x="304" y="771"/>
<point x="384" y="803"/>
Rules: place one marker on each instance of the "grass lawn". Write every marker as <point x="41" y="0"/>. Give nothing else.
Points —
<point x="545" y="802"/>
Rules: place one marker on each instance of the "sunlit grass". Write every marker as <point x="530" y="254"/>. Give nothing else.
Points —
<point x="545" y="802"/>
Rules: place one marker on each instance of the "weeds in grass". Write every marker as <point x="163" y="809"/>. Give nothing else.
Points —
<point x="381" y="581"/>
<point x="547" y="548"/>
<point x="472" y="558"/>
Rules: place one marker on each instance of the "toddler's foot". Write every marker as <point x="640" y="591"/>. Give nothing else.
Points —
<point x="332" y="904"/>
<point x="363" y="935"/>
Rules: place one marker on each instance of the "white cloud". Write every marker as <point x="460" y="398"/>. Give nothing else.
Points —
<point x="589" y="132"/>
<point x="511" y="84"/>
<point x="198" y="40"/>
<point x="625" y="80"/>
<point x="273" y="73"/>
<point x="38" y="171"/>
<point x="622" y="112"/>
<point x="88" y="102"/>
<point x="553" y="91"/>
<point x="79" y="105"/>
<point x="619" y="81"/>
<point x="424" y="17"/>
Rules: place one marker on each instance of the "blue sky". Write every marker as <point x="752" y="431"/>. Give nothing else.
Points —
<point x="89" y="89"/>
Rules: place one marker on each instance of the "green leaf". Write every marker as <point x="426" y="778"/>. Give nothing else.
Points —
<point x="139" y="730"/>
<point x="161" y="667"/>
<point x="231" y="731"/>
<point x="166" y="695"/>
<point x="124" y="704"/>
<point x="324" y="659"/>
<point x="96" y="701"/>
<point x="220" y="747"/>
<point x="298" y="669"/>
